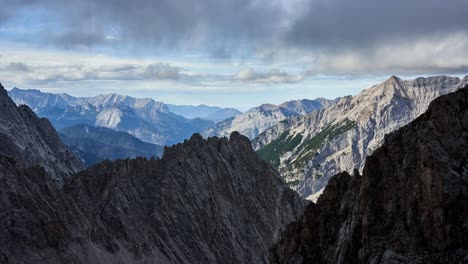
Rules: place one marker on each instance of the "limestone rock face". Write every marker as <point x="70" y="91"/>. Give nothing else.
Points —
<point x="259" y="119"/>
<point x="409" y="206"/>
<point x="308" y="150"/>
<point x="204" y="201"/>
<point x="33" y="141"/>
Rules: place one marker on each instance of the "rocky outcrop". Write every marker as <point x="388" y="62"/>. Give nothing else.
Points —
<point x="306" y="106"/>
<point x="409" y="206"/>
<point x="308" y="150"/>
<point x="208" y="201"/>
<point x="33" y="141"/>
<point x="204" y="201"/>
<point x="259" y="119"/>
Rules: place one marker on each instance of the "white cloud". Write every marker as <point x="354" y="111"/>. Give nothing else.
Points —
<point x="441" y="54"/>
<point x="273" y="76"/>
<point x="162" y="70"/>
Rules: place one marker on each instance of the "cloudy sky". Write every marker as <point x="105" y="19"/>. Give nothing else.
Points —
<point x="237" y="53"/>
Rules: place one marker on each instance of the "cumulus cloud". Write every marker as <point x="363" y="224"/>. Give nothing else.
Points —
<point x="47" y="74"/>
<point x="162" y="70"/>
<point x="272" y="76"/>
<point x="17" y="67"/>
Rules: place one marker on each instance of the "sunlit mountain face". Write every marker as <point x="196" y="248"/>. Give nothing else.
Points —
<point x="238" y="54"/>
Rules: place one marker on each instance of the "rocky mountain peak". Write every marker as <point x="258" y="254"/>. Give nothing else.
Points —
<point x="267" y="107"/>
<point x="260" y="118"/>
<point x="33" y="141"/>
<point x="409" y="205"/>
<point x="205" y="201"/>
<point x="309" y="149"/>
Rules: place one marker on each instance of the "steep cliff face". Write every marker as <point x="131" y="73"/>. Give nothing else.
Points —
<point x="205" y="201"/>
<point x="308" y="150"/>
<point x="409" y="206"/>
<point x="33" y="141"/>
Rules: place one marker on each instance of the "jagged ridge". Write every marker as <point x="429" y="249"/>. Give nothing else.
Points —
<point x="410" y="205"/>
<point x="341" y="137"/>
<point x="205" y="201"/>
<point x="33" y="141"/>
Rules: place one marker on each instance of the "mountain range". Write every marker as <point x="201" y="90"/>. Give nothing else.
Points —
<point x="215" y="201"/>
<point x="309" y="149"/>
<point x="409" y="206"/>
<point x="259" y="119"/>
<point x="144" y="118"/>
<point x="204" y="201"/>
<point x="156" y="122"/>
<point x="95" y="144"/>
<point x="212" y="113"/>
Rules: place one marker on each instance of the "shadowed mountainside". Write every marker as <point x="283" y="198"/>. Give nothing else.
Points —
<point x="409" y="206"/>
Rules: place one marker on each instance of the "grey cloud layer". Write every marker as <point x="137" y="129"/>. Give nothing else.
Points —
<point x="363" y="23"/>
<point x="158" y="71"/>
<point x="313" y="22"/>
<point x="339" y="31"/>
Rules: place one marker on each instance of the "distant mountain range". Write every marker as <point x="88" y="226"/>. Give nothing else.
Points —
<point x="156" y="122"/>
<point x="95" y="144"/>
<point x="259" y="119"/>
<point x="212" y="113"/>
<point x="309" y="149"/>
<point x="144" y="118"/>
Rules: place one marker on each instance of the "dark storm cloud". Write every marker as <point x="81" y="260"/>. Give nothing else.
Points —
<point x="229" y="23"/>
<point x="168" y="23"/>
<point x="341" y="34"/>
<point x="364" y="23"/>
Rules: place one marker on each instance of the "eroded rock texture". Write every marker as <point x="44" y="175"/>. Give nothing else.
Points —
<point x="409" y="206"/>
<point x="205" y="201"/>
<point x="33" y="141"/>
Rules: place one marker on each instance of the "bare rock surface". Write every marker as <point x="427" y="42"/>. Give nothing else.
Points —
<point x="309" y="149"/>
<point x="204" y="201"/>
<point x="409" y="206"/>
<point x="33" y="141"/>
<point x="260" y="118"/>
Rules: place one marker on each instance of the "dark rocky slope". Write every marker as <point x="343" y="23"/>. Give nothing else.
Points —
<point x="208" y="201"/>
<point x="205" y="201"/>
<point x="33" y="141"/>
<point x="409" y="206"/>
